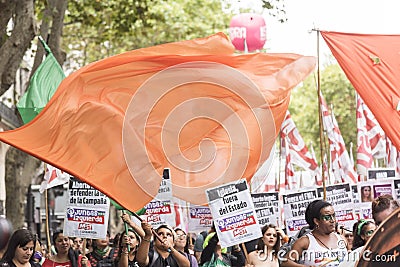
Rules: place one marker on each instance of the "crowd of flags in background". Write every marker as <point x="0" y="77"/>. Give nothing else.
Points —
<point x="372" y="144"/>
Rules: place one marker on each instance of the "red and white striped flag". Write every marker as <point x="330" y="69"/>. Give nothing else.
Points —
<point x="299" y="153"/>
<point x="290" y="178"/>
<point x="53" y="177"/>
<point x="376" y="135"/>
<point x="318" y="174"/>
<point x="393" y="156"/>
<point x="364" y="153"/>
<point x="341" y="165"/>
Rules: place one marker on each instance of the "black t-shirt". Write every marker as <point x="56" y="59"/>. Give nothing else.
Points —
<point x="155" y="260"/>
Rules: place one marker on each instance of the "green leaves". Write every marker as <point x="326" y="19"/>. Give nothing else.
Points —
<point x="339" y="93"/>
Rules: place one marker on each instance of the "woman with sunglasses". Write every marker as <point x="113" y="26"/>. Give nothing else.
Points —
<point x="322" y="246"/>
<point x="181" y="245"/>
<point x="362" y="231"/>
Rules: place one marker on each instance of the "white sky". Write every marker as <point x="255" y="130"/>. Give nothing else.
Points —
<point x="357" y="16"/>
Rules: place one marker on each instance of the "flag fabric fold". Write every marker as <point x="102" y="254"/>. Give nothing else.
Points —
<point x="42" y="86"/>
<point x="53" y="177"/>
<point x="370" y="62"/>
<point x="193" y="106"/>
<point x="364" y="153"/>
<point x="300" y="155"/>
<point x="341" y="165"/>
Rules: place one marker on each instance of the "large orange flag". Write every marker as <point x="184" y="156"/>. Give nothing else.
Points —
<point x="372" y="64"/>
<point x="194" y="106"/>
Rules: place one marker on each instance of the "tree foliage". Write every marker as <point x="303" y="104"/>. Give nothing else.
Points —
<point x="338" y="93"/>
<point x="99" y="29"/>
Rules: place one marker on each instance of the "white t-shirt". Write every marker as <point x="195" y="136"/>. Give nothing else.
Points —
<point x="317" y="255"/>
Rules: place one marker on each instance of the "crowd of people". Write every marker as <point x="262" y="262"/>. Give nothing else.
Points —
<point x="323" y="244"/>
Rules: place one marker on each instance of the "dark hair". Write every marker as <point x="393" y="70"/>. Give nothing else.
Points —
<point x="121" y="236"/>
<point x="19" y="238"/>
<point x="313" y="211"/>
<point x="186" y="248"/>
<point x="382" y="203"/>
<point x="72" y="255"/>
<point x="166" y="227"/>
<point x="260" y="242"/>
<point x="358" y="230"/>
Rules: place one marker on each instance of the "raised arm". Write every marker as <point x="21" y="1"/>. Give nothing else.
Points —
<point x="142" y="254"/>
<point x="127" y="219"/>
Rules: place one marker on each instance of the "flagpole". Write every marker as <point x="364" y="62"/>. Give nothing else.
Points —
<point x="126" y="231"/>
<point x="280" y="162"/>
<point x="321" y="135"/>
<point x="46" y="200"/>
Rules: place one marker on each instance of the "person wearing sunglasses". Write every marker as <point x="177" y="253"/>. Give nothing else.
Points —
<point x="362" y="232"/>
<point x="322" y="246"/>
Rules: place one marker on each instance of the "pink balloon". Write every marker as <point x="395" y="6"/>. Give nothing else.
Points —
<point x="249" y="27"/>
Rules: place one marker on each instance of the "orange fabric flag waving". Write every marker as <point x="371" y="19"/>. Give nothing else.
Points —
<point x="195" y="107"/>
<point x="371" y="63"/>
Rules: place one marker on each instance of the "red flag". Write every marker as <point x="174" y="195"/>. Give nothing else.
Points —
<point x="195" y="107"/>
<point x="371" y="63"/>
<point x="290" y="177"/>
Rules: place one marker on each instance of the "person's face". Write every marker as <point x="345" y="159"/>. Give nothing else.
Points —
<point x="103" y="242"/>
<point x="62" y="244"/>
<point x="270" y="237"/>
<point x="367" y="192"/>
<point x="327" y="220"/>
<point x="180" y="241"/>
<point x="349" y="237"/>
<point x="78" y="243"/>
<point x="381" y="216"/>
<point x="368" y="230"/>
<point x="23" y="254"/>
<point x="133" y="242"/>
<point x="165" y="234"/>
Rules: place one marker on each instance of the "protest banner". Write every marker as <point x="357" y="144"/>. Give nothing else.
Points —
<point x="294" y="206"/>
<point x="396" y="187"/>
<point x="368" y="191"/>
<point x="200" y="219"/>
<point x="267" y="207"/>
<point x="381" y="173"/>
<point x="340" y="196"/>
<point x="233" y="211"/>
<point x="87" y="211"/>
<point x="160" y="210"/>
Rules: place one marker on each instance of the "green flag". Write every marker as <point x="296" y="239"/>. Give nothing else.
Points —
<point x="119" y="207"/>
<point x="42" y="86"/>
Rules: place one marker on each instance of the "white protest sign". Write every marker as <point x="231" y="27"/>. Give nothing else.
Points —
<point x="160" y="210"/>
<point x="233" y="212"/>
<point x="200" y="218"/>
<point x="340" y="196"/>
<point x="294" y="207"/>
<point x="87" y="211"/>
<point x="267" y="207"/>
